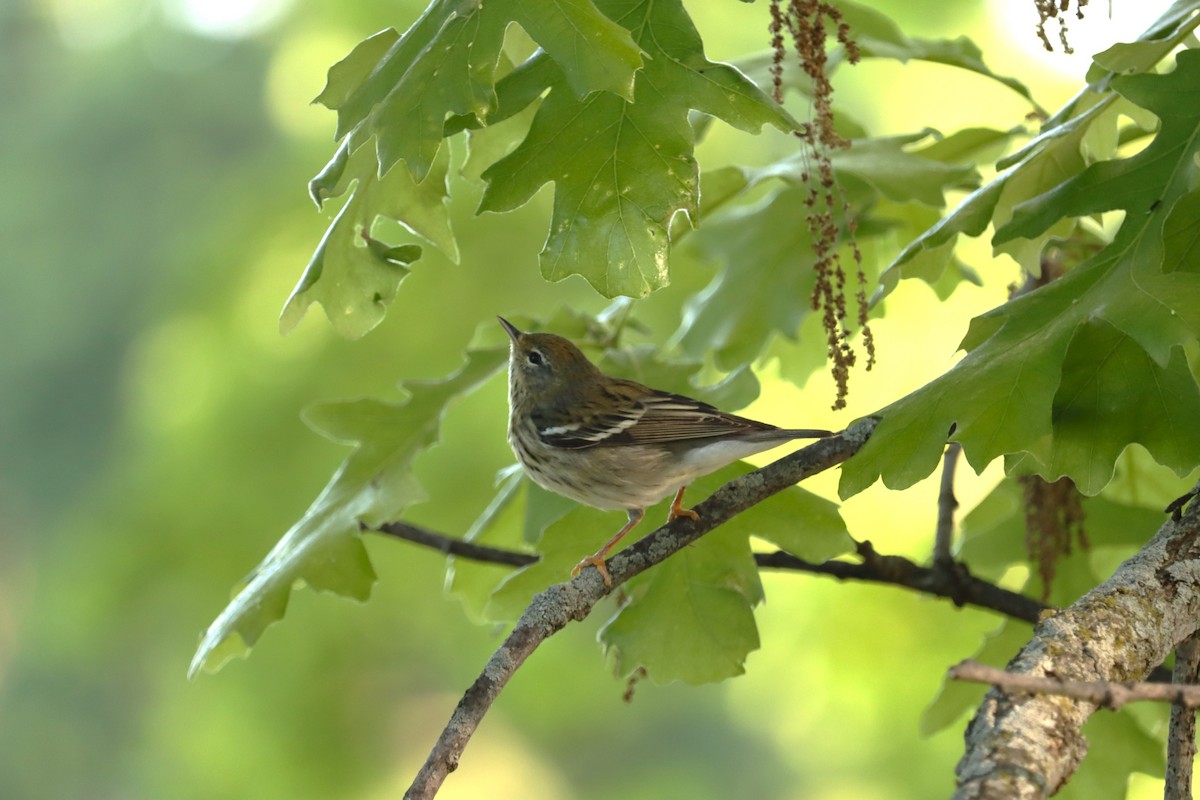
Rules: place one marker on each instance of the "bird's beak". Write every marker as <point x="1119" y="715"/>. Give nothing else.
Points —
<point x="511" y="329"/>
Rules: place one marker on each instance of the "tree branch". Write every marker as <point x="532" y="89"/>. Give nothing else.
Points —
<point x="452" y="546"/>
<point x="1102" y="694"/>
<point x="1176" y="506"/>
<point x="1181" y="739"/>
<point x="947" y="505"/>
<point x="1027" y="746"/>
<point x="552" y="609"/>
<point x="955" y="583"/>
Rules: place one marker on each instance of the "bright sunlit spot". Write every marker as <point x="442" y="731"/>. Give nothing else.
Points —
<point x="296" y="76"/>
<point x="225" y="19"/>
<point x="1103" y="25"/>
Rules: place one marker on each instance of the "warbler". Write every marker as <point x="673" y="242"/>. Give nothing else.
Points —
<point x="612" y="443"/>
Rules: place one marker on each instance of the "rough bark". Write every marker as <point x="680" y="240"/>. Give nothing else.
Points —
<point x="1181" y="741"/>
<point x="1028" y="746"/>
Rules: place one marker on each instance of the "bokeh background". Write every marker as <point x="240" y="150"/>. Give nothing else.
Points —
<point x="154" y="156"/>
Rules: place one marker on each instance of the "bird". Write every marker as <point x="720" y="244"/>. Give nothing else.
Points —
<point x="613" y="443"/>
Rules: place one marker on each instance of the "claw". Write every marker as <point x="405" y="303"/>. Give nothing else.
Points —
<point x="596" y="561"/>
<point x="677" y="509"/>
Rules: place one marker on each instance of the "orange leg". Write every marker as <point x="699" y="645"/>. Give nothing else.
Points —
<point x="597" y="559"/>
<point x="677" y="509"/>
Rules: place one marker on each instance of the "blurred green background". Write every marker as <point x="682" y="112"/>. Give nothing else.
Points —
<point x="155" y="155"/>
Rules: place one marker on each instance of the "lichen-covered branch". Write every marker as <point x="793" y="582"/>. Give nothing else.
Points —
<point x="1027" y="746"/>
<point x="553" y="608"/>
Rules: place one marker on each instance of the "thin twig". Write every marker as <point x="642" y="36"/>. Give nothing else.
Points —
<point x="955" y="583"/>
<point x="947" y="504"/>
<point x="1175" y="507"/>
<point x="452" y="546"/>
<point x="552" y="609"/>
<point x="1181" y="739"/>
<point x="1104" y="694"/>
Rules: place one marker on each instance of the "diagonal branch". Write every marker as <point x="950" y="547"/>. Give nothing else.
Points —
<point x="552" y="609"/>
<point x="1027" y="746"/>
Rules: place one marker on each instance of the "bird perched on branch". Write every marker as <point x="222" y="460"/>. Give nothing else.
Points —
<point x="612" y="443"/>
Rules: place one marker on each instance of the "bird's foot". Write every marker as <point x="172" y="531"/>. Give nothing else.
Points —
<point x="596" y="560"/>
<point x="678" y="511"/>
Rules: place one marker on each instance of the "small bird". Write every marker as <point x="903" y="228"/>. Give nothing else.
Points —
<point x="612" y="443"/>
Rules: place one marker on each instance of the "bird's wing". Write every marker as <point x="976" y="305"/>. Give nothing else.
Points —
<point x="633" y="414"/>
<point x="670" y="417"/>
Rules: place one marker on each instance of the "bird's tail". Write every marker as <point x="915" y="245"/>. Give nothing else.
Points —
<point x="807" y="433"/>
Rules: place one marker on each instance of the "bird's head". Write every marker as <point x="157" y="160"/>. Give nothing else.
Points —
<point x="546" y="365"/>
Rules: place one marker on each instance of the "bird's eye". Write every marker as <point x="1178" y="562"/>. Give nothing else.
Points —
<point x="536" y="358"/>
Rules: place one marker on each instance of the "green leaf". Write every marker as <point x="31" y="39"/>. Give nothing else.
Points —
<point x="1135" y="184"/>
<point x="445" y="64"/>
<point x="765" y="281"/>
<point x="907" y="167"/>
<point x="1117" y="747"/>
<point x="902" y="174"/>
<point x="516" y="92"/>
<point x="1111" y="523"/>
<point x="693" y="619"/>
<point x="956" y="698"/>
<point x="763" y="284"/>
<point x="595" y="53"/>
<point x="938" y="266"/>
<point x="800" y="522"/>
<point x="345" y="77"/>
<point x="628" y="167"/>
<point x="690" y="618"/>
<point x="1181" y="234"/>
<point x="1005" y="397"/>
<point x="352" y="275"/>
<point x="1056" y="154"/>
<point x="998" y="396"/>
<point x="517" y="96"/>
<point x="565" y="542"/>
<point x="373" y="485"/>
<point x="879" y="37"/>
<point x="1113" y="393"/>
<point x="515" y="519"/>
<point x="930" y="252"/>
<point x="993" y="533"/>
<point x="1163" y="308"/>
<point x="1142" y="483"/>
<point x="1167" y="33"/>
<point x="970" y="145"/>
